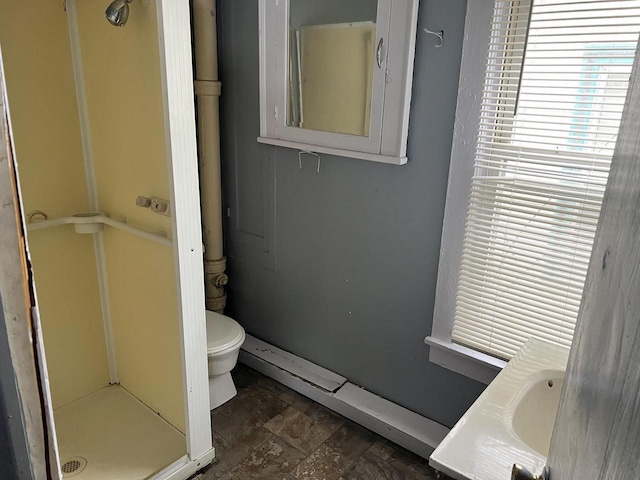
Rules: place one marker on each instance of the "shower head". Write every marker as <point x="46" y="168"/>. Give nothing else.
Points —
<point x="118" y="12"/>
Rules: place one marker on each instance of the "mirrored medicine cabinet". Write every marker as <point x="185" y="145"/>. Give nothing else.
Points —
<point x="335" y="76"/>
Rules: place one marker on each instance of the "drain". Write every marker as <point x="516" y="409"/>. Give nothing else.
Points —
<point x="73" y="467"/>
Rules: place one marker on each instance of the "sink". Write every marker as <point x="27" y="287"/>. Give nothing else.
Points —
<point x="511" y="422"/>
<point x="535" y="408"/>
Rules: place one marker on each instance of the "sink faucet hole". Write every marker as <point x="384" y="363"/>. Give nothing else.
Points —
<point x="550" y="383"/>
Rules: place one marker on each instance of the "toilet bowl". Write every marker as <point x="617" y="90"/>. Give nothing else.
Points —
<point x="224" y="339"/>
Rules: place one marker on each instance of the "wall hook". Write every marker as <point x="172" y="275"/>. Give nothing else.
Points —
<point x="439" y="34"/>
<point x="301" y="152"/>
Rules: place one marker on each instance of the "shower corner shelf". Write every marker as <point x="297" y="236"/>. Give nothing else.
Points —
<point x="94" y="222"/>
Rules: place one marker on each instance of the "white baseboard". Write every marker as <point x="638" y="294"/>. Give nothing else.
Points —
<point x="298" y="366"/>
<point x="403" y="427"/>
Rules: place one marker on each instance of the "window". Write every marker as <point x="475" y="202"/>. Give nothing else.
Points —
<point x="555" y="81"/>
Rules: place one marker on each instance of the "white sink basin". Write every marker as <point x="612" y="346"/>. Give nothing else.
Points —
<point x="534" y="410"/>
<point x="511" y="422"/>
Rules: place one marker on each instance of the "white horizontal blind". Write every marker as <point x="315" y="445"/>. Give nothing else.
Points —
<point x="555" y="86"/>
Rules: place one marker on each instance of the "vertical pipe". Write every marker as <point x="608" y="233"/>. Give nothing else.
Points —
<point x="207" y="88"/>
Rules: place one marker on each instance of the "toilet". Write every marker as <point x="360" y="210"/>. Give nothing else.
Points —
<point x="224" y="339"/>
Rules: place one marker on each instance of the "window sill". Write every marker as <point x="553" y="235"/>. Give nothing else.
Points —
<point x="464" y="360"/>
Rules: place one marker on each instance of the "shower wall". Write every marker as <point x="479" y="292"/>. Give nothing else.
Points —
<point x="124" y="95"/>
<point x="121" y="73"/>
<point x="42" y="100"/>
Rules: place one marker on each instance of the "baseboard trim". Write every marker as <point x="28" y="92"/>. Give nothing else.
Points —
<point x="293" y="364"/>
<point x="414" y="432"/>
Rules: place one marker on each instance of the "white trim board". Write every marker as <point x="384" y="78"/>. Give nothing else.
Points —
<point x="174" y="32"/>
<point x="52" y="440"/>
<point x="403" y="427"/>
<point x="475" y="48"/>
<point x="310" y="372"/>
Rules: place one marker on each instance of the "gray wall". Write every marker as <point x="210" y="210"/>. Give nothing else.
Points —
<point x="14" y="450"/>
<point x="7" y="471"/>
<point x="340" y="267"/>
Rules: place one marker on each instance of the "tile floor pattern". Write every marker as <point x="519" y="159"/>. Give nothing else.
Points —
<point x="270" y="432"/>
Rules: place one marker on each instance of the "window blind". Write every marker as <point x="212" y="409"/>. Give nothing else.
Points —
<point x="555" y="85"/>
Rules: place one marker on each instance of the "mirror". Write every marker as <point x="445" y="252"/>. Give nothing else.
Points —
<point x="332" y="56"/>
<point x="335" y="76"/>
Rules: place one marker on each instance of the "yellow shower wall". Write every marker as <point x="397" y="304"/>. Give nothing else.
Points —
<point x="124" y="97"/>
<point x="69" y="300"/>
<point x="42" y="101"/>
<point x="43" y="106"/>
<point x="144" y="312"/>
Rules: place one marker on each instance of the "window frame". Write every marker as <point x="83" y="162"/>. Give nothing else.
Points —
<point x="443" y="351"/>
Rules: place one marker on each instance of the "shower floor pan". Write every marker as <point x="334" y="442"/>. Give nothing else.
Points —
<point x="111" y="435"/>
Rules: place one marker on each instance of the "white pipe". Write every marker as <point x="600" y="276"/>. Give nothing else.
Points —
<point x="207" y="88"/>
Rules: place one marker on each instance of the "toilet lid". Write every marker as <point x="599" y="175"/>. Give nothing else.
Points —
<point x="222" y="332"/>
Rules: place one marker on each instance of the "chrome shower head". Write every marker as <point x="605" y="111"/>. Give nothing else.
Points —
<point x="118" y="12"/>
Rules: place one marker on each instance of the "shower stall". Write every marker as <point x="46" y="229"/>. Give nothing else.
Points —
<point x="103" y="133"/>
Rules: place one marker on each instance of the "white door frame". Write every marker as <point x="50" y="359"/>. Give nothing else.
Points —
<point x="174" y="32"/>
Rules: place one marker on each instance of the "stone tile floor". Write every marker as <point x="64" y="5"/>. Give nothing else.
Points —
<point x="268" y="431"/>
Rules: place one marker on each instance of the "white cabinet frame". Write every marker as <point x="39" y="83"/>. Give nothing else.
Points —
<point x="391" y="94"/>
